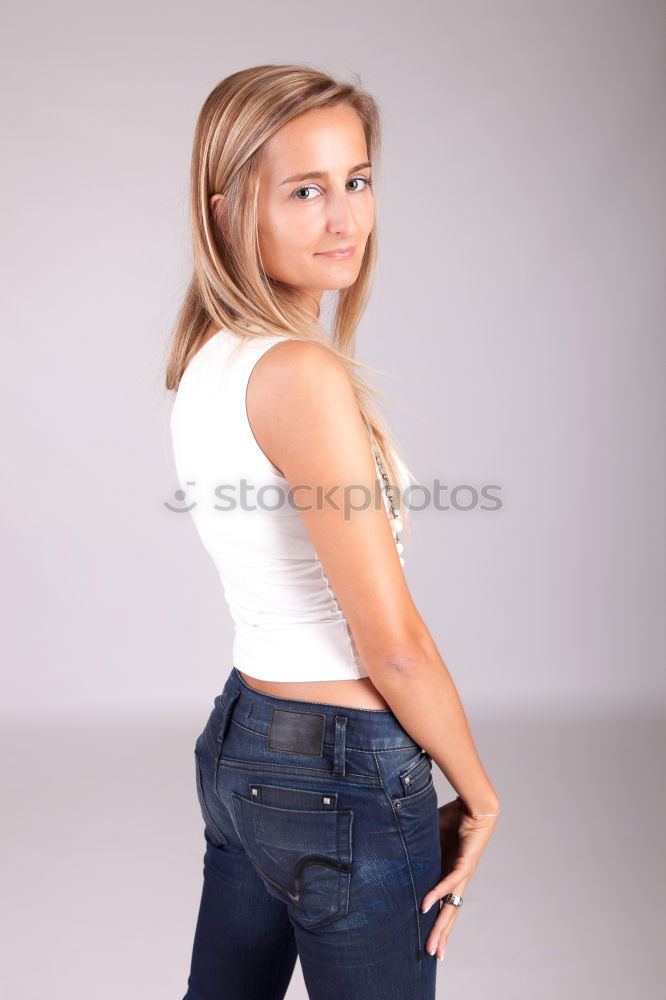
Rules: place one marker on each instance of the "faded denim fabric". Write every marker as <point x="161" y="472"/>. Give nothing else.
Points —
<point x="321" y="840"/>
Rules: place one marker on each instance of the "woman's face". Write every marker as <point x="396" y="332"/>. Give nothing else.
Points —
<point x="314" y="197"/>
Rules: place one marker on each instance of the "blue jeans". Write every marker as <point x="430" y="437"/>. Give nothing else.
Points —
<point x="321" y="840"/>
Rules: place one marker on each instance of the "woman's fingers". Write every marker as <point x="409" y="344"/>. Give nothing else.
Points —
<point x="462" y="841"/>
<point x="455" y="877"/>
<point x="448" y="914"/>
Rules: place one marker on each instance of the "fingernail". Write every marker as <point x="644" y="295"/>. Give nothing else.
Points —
<point x="427" y="907"/>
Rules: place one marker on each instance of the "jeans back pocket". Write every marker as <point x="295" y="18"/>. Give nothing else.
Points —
<point x="300" y="845"/>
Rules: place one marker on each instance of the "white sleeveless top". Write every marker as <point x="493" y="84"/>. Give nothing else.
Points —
<point x="288" y="625"/>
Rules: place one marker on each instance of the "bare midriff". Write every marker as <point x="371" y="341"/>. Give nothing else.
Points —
<point x="360" y="693"/>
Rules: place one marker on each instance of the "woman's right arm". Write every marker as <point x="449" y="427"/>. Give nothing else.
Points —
<point x="305" y="417"/>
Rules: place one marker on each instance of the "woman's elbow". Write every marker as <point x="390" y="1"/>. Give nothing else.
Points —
<point x="401" y="655"/>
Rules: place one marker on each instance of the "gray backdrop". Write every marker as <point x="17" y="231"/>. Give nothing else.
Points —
<point x="518" y="312"/>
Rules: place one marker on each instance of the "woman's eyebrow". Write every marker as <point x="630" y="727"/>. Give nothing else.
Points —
<point x="320" y="173"/>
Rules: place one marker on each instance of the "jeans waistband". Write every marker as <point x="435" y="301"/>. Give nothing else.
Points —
<point x="364" y="728"/>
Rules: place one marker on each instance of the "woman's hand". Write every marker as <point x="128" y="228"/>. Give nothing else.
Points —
<point x="463" y="840"/>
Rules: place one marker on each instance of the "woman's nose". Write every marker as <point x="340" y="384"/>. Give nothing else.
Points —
<point x="340" y="218"/>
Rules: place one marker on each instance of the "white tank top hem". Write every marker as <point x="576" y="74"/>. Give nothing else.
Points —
<point x="288" y="624"/>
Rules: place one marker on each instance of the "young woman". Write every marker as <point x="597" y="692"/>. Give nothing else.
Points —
<point x="323" y="834"/>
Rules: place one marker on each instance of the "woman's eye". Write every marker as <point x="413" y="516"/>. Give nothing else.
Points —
<point x="366" y="180"/>
<point x="308" y="187"/>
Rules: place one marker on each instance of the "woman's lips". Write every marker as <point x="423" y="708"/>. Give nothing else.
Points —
<point x="342" y="254"/>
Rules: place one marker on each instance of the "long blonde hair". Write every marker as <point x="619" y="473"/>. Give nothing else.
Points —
<point x="229" y="287"/>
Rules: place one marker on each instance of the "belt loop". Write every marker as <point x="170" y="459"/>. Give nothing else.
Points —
<point x="224" y="725"/>
<point x="340" y="733"/>
<point x="226" y="715"/>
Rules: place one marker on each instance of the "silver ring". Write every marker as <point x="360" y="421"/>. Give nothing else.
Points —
<point x="452" y="898"/>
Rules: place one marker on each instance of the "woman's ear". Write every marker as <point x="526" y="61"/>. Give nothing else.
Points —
<point x="217" y="206"/>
